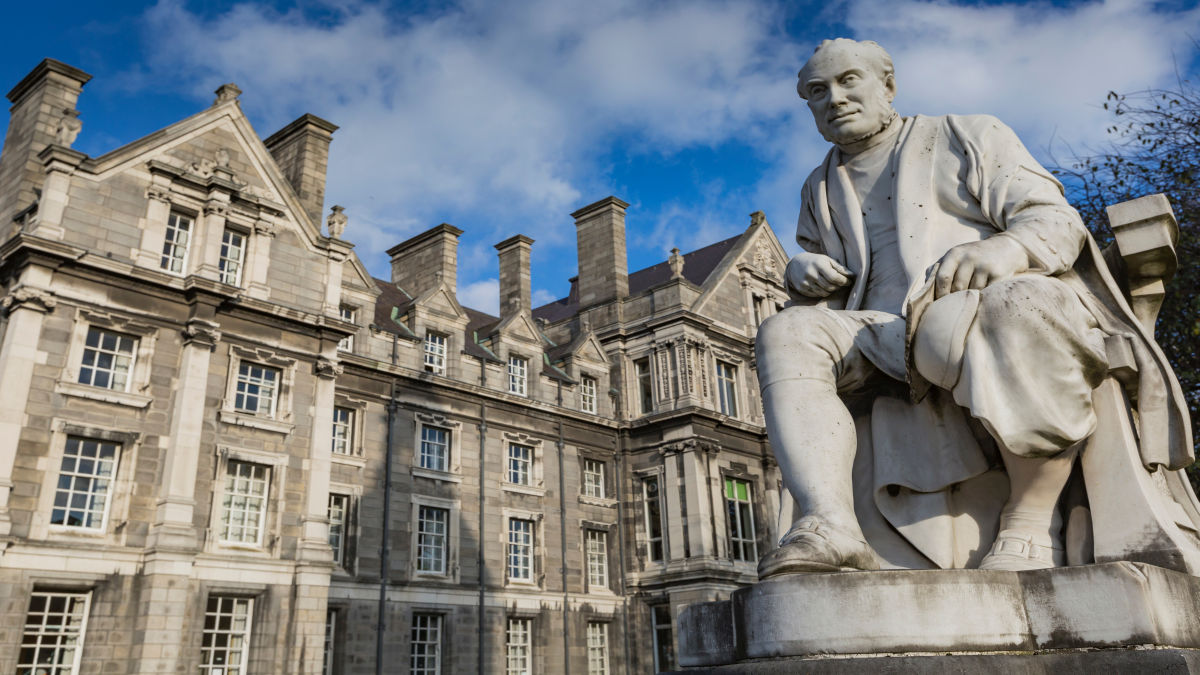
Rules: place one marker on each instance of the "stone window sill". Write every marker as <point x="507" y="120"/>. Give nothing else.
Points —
<point x="66" y="532"/>
<point x="431" y="474"/>
<point x="348" y="460"/>
<point x="101" y="394"/>
<point x="598" y="501"/>
<point x="255" y="422"/>
<point x="523" y="489"/>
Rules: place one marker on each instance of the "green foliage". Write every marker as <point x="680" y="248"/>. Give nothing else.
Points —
<point x="1154" y="147"/>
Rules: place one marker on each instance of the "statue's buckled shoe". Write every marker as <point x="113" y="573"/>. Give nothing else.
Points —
<point x="1015" y="552"/>
<point x="811" y="546"/>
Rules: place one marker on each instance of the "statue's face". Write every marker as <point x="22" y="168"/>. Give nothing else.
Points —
<point x="847" y="98"/>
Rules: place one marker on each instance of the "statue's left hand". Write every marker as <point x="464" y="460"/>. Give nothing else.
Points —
<point x="979" y="264"/>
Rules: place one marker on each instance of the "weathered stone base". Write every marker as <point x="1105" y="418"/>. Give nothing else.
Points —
<point x="896" y="621"/>
<point x="1062" y="662"/>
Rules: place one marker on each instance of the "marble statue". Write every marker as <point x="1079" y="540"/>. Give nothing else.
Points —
<point x="930" y="387"/>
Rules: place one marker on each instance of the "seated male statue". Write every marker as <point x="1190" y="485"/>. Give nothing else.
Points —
<point x="945" y="281"/>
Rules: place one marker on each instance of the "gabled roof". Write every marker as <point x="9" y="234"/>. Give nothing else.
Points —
<point x="697" y="266"/>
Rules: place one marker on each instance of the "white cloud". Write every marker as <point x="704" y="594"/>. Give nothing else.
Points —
<point x="483" y="295"/>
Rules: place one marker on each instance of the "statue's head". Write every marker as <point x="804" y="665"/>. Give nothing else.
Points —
<point x="849" y="86"/>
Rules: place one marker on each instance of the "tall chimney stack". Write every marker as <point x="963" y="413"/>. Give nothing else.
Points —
<point x="600" y="242"/>
<point x="418" y="263"/>
<point x="515" y="281"/>
<point x="302" y="151"/>
<point x="40" y="102"/>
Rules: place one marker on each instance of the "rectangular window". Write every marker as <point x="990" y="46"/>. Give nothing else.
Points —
<point x="645" y="385"/>
<point x="85" y="479"/>
<point x="518" y="376"/>
<point x="233" y="256"/>
<point x="520" y="461"/>
<point x="520" y="549"/>
<point x="52" y="640"/>
<point x="435" y="353"/>
<point x="593" y="478"/>
<point x="431" y="539"/>
<point x="176" y="242"/>
<point x="727" y="388"/>
<point x="107" y="359"/>
<point x="349" y="314"/>
<point x="339" y="510"/>
<point x="330" y="645"/>
<point x="739" y="518"/>
<point x="518" y="647"/>
<point x="756" y="303"/>
<point x="425" y="657"/>
<point x="244" y="504"/>
<point x="597" y="648"/>
<point x="653" y="510"/>
<point x="226" y="639"/>
<point x="343" y="431"/>
<point x="664" y="639"/>
<point x="596" y="544"/>
<point x="435" y="448"/>
<point x="587" y="394"/>
<point x="257" y="386"/>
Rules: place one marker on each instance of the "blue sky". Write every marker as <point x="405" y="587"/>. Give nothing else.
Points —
<point x="503" y="118"/>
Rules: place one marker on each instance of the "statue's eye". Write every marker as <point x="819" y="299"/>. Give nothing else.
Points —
<point x="817" y="90"/>
<point x="850" y="78"/>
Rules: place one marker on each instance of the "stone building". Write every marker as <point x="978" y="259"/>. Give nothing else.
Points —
<point x="224" y="446"/>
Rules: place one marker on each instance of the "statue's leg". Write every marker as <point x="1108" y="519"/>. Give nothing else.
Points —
<point x="1025" y="367"/>
<point x="805" y="356"/>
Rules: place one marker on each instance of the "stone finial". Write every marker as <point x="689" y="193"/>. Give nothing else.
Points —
<point x="226" y="93"/>
<point x="222" y="157"/>
<point x="757" y="218"/>
<point x="676" y="263"/>
<point x="68" y="127"/>
<point x="336" y="222"/>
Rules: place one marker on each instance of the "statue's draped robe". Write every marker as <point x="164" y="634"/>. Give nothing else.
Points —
<point x="924" y="471"/>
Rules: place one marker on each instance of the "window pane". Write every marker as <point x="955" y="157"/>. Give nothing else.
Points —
<point x="435" y="448"/>
<point x="107" y="359"/>
<point x="425" y="655"/>
<point x="435" y="353"/>
<point x="81" y="496"/>
<point x="520" y="549"/>
<point x="343" y="431"/>
<point x="175" y="243"/>
<point x="244" y="502"/>
<point x="739" y="519"/>
<point x="256" y="389"/>
<point x="338" y="509"/>
<point x="233" y="255"/>
<point x="518" y="647"/>
<point x="52" y="638"/>
<point x="597" y="648"/>
<point x="225" y="640"/>
<point x="432" y="530"/>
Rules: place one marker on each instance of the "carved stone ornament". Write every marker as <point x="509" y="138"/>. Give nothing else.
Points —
<point x="203" y="168"/>
<point x="265" y="227"/>
<point x="201" y="332"/>
<point x="676" y="263"/>
<point x="763" y="259"/>
<point x="27" y="297"/>
<point x="226" y="93"/>
<point x="68" y="127"/>
<point x="328" y="368"/>
<point x="214" y="207"/>
<point x="222" y="157"/>
<point x="336" y="222"/>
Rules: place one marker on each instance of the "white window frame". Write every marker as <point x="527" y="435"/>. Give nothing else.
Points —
<point x="120" y="489"/>
<point x="739" y="535"/>
<point x="588" y="388"/>
<point x="435" y="348"/>
<point x="657" y="477"/>
<point x="135" y="394"/>
<point x="170" y="252"/>
<point x="349" y="314"/>
<point x="518" y="646"/>
<point x="655" y="627"/>
<point x="60" y="639"/>
<point x="519" y="555"/>
<point x="115" y="355"/>
<point x="330" y="651"/>
<point x="227" y="668"/>
<point x="518" y="375"/>
<point x="727" y="388"/>
<point x="643" y="382"/>
<point x="429" y="520"/>
<point x="597" y="648"/>
<point x="236" y="261"/>
<point x="450" y="548"/>
<point x="536" y="483"/>
<point x="518" y="464"/>
<point x="595" y="552"/>
<point x="235" y="474"/>
<point x="277" y="482"/>
<point x="247" y="379"/>
<point x="429" y="621"/>
<point x="453" y="471"/>
<point x="593" y="484"/>
<point x="345" y="432"/>
<point x="339" y="502"/>
<point x="77" y="461"/>
<point x="279" y="419"/>
<point x="434" y="451"/>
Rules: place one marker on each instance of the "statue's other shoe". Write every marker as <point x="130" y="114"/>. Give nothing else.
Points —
<point x="1014" y="551"/>
<point x="812" y="546"/>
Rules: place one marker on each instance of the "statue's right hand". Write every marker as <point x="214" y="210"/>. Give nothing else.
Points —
<point x="816" y="275"/>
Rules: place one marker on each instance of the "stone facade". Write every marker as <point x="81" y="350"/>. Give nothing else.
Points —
<point x="203" y="394"/>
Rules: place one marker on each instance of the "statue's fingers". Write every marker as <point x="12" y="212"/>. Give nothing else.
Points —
<point x="944" y="278"/>
<point x="980" y="279"/>
<point x="832" y="276"/>
<point x="962" y="277"/>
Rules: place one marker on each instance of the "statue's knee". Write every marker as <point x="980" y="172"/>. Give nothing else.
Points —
<point x="941" y="337"/>
<point x="793" y="326"/>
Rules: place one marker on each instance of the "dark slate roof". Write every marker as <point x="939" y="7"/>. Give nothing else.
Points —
<point x="697" y="266"/>
<point x="391" y="298"/>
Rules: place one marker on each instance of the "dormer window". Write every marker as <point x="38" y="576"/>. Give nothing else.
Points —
<point x="175" y="244"/>
<point x="435" y="353"/>
<point x="349" y="314"/>
<point x="587" y="394"/>
<point x="233" y="257"/>
<point x="518" y="376"/>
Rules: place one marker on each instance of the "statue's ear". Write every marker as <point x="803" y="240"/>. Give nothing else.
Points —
<point x="889" y="83"/>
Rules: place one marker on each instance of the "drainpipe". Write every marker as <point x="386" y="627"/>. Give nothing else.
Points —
<point x="385" y="544"/>
<point x="620" y="472"/>
<point x="482" y="443"/>
<point x="562" y="525"/>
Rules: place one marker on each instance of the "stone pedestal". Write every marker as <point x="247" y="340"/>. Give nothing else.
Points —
<point x="1115" y="616"/>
